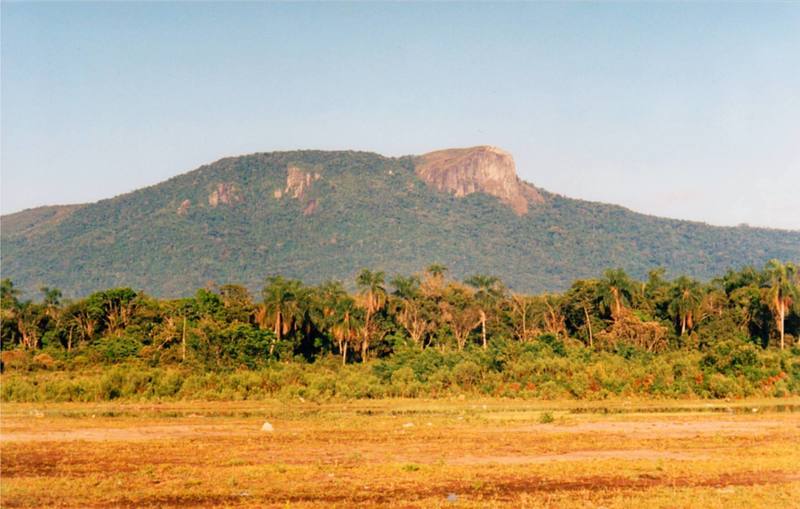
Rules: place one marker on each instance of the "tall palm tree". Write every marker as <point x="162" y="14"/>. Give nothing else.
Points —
<point x="616" y="290"/>
<point x="372" y="298"/>
<point x="345" y="324"/>
<point x="781" y="291"/>
<point x="686" y="296"/>
<point x="437" y="270"/>
<point x="283" y="306"/>
<point x="488" y="290"/>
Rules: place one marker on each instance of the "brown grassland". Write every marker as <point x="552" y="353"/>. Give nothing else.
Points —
<point x="403" y="453"/>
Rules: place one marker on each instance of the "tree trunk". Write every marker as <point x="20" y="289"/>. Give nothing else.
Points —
<point x="365" y="340"/>
<point x="278" y="332"/>
<point x="344" y="353"/>
<point x="183" y="341"/>
<point x="483" y="329"/>
<point x="278" y="325"/>
<point x="524" y="326"/>
<point x="782" y="319"/>
<point x="589" y="326"/>
<point x="683" y="325"/>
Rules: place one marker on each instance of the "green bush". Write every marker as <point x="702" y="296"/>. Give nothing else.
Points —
<point x="466" y="374"/>
<point x="726" y="370"/>
<point x="118" y="348"/>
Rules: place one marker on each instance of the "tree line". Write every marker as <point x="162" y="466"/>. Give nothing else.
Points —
<point x="225" y="326"/>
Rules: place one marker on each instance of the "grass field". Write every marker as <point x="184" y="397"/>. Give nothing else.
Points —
<point x="403" y="453"/>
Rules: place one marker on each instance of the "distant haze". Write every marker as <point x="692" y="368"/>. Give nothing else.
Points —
<point x="682" y="110"/>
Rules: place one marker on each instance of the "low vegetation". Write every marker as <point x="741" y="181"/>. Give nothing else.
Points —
<point x="412" y="336"/>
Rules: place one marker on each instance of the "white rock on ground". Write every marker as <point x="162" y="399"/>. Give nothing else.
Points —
<point x="267" y="427"/>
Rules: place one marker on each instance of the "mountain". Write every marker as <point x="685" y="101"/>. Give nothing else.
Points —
<point x="317" y="215"/>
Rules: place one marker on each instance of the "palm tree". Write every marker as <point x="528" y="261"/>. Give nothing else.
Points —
<point x="437" y="270"/>
<point x="372" y="296"/>
<point x="616" y="290"/>
<point x="488" y="291"/>
<point x="283" y="306"/>
<point x="345" y="324"/>
<point x="781" y="291"/>
<point x="685" y="299"/>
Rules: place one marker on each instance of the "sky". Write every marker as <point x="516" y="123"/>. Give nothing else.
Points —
<point x="686" y="110"/>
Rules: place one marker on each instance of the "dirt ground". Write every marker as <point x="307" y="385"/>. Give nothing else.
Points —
<point x="402" y="453"/>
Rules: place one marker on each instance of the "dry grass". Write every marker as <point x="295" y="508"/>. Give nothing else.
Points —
<point x="402" y="453"/>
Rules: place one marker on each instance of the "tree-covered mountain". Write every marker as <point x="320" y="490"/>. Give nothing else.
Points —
<point x="318" y="215"/>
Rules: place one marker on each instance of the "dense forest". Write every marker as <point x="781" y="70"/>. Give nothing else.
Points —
<point x="421" y="334"/>
<point x="315" y="216"/>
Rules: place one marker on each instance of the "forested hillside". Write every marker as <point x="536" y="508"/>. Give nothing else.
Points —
<point x="317" y="215"/>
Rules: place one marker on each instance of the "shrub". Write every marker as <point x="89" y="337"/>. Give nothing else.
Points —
<point x="118" y="348"/>
<point x="721" y="386"/>
<point x="466" y="374"/>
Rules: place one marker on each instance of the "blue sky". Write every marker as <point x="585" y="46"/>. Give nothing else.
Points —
<point x="684" y="110"/>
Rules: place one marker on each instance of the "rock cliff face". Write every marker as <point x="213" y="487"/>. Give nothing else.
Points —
<point x="484" y="169"/>
<point x="297" y="182"/>
<point x="224" y="193"/>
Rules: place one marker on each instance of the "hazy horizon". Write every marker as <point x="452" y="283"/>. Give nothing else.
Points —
<point x="687" y="111"/>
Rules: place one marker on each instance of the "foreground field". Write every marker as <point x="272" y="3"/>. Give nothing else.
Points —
<point x="403" y="453"/>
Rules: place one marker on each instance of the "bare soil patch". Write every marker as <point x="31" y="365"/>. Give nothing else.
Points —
<point x="127" y="434"/>
<point x="661" y="428"/>
<point x="623" y="454"/>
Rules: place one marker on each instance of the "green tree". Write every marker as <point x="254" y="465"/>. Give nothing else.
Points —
<point x="781" y="291"/>
<point x="412" y="311"/>
<point x="686" y="297"/>
<point x="372" y="299"/>
<point x="9" y="311"/>
<point x="459" y="312"/>
<point x="580" y="303"/>
<point x="237" y="302"/>
<point x="488" y="291"/>
<point x="615" y="290"/>
<point x="283" y="306"/>
<point x="345" y="324"/>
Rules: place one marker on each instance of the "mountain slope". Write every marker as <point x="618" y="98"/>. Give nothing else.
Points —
<point x="317" y="215"/>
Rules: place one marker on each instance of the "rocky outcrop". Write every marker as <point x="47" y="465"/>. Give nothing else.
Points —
<point x="298" y="181"/>
<point x="184" y="207"/>
<point x="224" y="194"/>
<point x="482" y="169"/>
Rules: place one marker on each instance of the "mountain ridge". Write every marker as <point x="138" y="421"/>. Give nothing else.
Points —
<point x="325" y="214"/>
